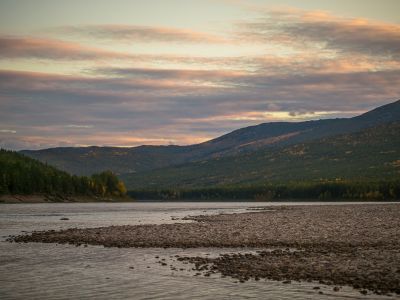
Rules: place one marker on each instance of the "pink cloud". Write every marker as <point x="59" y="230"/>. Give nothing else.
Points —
<point x="134" y="33"/>
<point x="322" y="30"/>
<point x="29" y="47"/>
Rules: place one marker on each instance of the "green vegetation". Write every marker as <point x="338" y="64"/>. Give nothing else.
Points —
<point x="371" y="155"/>
<point x="324" y="191"/>
<point x="355" y="158"/>
<point x="23" y="175"/>
<point x="266" y="136"/>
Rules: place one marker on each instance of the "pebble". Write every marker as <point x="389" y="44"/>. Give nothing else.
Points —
<point x="354" y="245"/>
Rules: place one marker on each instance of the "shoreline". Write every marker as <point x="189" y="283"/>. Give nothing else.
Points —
<point x="354" y="245"/>
<point x="28" y="199"/>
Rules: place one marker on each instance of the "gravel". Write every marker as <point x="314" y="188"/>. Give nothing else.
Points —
<point x="355" y="245"/>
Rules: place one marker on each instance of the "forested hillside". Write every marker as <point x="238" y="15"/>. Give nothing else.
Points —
<point x="353" y="158"/>
<point x="23" y="175"/>
<point x="369" y="155"/>
<point x="89" y="160"/>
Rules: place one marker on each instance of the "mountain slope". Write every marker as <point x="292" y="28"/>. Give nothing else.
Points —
<point x="370" y="154"/>
<point x="278" y="134"/>
<point x="89" y="160"/>
<point x="23" y="175"/>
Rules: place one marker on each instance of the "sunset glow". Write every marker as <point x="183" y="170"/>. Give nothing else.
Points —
<point x="127" y="73"/>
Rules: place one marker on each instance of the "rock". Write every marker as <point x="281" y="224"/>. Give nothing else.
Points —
<point x="359" y="242"/>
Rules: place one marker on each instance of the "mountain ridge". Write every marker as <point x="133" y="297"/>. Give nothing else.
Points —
<point x="94" y="159"/>
<point x="371" y="154"/>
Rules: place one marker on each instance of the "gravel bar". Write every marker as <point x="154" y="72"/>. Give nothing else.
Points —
<point x="356" y="245"/>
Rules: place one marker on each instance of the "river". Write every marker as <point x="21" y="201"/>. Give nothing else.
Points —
<point x="51" y="271"/>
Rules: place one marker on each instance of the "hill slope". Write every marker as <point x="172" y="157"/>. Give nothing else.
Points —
<point x="371" y="154"/>
<point x="89" y="160"/>
<point x="23" y="175"/>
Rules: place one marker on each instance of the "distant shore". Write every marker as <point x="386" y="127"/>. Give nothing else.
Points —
<point x="356" y="245"/>
<point x="11" y="199"/>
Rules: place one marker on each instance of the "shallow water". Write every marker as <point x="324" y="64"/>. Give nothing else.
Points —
<point x="50" y="271"/>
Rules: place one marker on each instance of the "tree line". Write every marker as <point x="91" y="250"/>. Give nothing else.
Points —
<point x="324" y="191"/>
<point x="23" y="175"/>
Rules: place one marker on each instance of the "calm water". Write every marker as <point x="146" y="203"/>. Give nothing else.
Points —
<point x="49" y="271"/>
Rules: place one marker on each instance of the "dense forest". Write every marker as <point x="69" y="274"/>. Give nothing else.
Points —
<point x="23" y="175"/>
<point x="328" y="190"/>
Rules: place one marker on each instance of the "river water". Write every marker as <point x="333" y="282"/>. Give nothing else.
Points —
<point x="51" y="271"/>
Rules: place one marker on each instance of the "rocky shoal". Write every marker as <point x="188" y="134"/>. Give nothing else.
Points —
<point x="355" y="245"/>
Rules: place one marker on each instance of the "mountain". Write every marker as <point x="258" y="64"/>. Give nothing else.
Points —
<point x="369" y="154"/>
<point x="135" y="160"/>
<point x="89" y="160"/>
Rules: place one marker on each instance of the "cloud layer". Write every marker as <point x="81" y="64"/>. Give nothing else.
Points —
<point x="304" y="65"/>
<point x="29" y="47"/>
<point x="324" y="31"/>
<point x="134" y="34"/>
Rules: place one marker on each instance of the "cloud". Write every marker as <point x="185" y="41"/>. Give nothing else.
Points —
<point x="158" y="106"/>
<point x="321" y="30"/>
<point x="182" y="77"/>
<point x="29" y="47"/>
<point x="19" y="47"/>
<point x="7" y="131"/>
<point x="329" y="67"/>
<point x="93" y="88"/>
<point x="315" y="63"/>
<point x="169" y="73"/>
<point x="78" y="126"/>
<point x="165" y="90"/>
<point x="135" y="34"/>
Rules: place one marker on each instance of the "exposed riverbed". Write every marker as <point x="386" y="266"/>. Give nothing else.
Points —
<point x="65" y="271"/>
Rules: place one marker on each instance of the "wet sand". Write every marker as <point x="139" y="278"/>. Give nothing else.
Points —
<point x="355" y="245"/>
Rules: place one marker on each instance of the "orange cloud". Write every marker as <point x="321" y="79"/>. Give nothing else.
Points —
<point x="321" y="30"/>
<point x="134" y="33"/>
<point x="108" y="139"/>
<point x="29" y="47"/>
<point x="18" y="47"/>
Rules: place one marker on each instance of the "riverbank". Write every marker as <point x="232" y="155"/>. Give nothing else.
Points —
<point x="355" y="245"/>
<point x="10" y="199"/>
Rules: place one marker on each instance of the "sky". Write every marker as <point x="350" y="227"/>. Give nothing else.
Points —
<point x="126" y="73"/>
